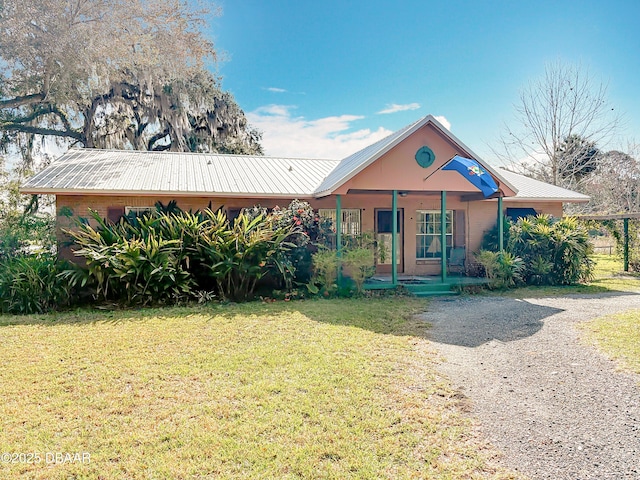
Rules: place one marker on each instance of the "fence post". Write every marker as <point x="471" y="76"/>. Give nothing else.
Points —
<point x="626" y="244"/>
<point x="443" y="235"/>
<point x="339" y="237"/>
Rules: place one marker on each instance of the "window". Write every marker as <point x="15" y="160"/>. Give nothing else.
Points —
<point x="138" y="211"/>
<point x="350" y="219"/>
<point x="428" y="233"/>
<point x="516" y="213"/>
<point x="232" y="214"/>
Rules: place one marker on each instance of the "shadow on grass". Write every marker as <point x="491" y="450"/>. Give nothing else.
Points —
<point x="468" y="321"/>
<point x="102" y="314"/>
<point x="380" y="315"/>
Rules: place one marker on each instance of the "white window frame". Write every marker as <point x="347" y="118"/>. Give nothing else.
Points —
<point x="422" y="230"/>
<point x="351" y="219"/>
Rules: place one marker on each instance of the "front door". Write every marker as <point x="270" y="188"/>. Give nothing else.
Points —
<point x="384" y="228"/>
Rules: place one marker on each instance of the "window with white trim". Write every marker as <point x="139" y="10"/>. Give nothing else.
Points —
<point x="350" y="219"/>
<point x="428" y="233"/>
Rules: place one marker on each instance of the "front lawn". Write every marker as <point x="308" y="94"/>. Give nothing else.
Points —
<point x="618" y="336"/>
<point x="314" y="389"/>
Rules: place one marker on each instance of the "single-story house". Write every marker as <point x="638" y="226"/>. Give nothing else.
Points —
<point x="399" y="188"/>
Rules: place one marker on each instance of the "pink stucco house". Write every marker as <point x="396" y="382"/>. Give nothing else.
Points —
<point x="398" y="178"/>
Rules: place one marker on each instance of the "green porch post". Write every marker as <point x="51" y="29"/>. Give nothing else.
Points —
<point x="339" y="236"/>
<point x="626" y="244"/>
<point x="443" y="234"/>
<point x="394" y="241"/>
<point x="500" y="225"/>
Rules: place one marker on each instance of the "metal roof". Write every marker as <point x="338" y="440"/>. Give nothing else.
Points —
<point x="135" y="172"/>
<point x="531" y="189"/>
<point x="130" y="172"/>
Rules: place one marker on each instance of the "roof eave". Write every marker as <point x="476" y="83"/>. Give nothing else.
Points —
<point x="163" y="193"/>
<point x="548" y="199"/>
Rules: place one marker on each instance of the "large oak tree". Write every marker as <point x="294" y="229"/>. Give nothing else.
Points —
<point x="113" y="74"/>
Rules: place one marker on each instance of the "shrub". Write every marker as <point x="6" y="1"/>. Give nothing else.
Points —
<point x="160" y="257"/>
<point x="491" y="237"/>
<point x="572" y="251"/>
<point x="239" y="256"/>
<point x="25" y="233"/>
<point x="360" y="265"/>
<point x="554" y="251"/>
<point x="325" y="267"/>
<point x="309" y="230"/>
<point x="503" y="269"/>
<point x="31" y="284"/>
<point x="132" y="263"/>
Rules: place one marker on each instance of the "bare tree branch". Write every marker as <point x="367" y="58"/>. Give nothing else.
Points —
<point x="565" y="103"/>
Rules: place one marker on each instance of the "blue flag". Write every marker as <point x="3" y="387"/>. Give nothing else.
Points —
<point x="474" y="173"/>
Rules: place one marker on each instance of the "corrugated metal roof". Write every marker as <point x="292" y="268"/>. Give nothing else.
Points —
<point x="95" y="171"/>
<point x="531" y="189"/>
<point x="128" y="171"/>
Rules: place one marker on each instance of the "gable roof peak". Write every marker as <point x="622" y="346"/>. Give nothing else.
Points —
<point x="350" y="166"/>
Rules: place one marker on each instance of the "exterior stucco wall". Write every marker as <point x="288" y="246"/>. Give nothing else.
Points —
<point x="479" y="216"/>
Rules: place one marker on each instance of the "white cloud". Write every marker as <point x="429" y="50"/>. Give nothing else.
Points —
<point x="288" y="136"/>
<point x="394" y="108"/>
<point x="443" y="120"/>
<point x="275" y="90"/>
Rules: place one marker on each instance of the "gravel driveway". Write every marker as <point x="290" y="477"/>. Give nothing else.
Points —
<point x="555" y="407"/>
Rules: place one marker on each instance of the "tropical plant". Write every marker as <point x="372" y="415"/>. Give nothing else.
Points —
<point x="503" y="269"/>
<point x="554" y="251"/>
<point x="136" y="265"/>
<point x="572" y="262"/>
<point x="31" y="284"/>
<point x="239" y="256"/>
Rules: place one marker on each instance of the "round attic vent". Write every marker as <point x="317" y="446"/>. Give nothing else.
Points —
<point x="425" y="157"/>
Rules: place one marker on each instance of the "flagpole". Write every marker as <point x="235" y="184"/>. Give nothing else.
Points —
<point x="438" y="169"/>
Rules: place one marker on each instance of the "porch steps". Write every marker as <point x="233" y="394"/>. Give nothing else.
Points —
<point x="430" y="290"/>
<point x="419" y="289"/>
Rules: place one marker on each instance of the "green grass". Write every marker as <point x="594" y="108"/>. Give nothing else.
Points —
<point x="316" y="389"/>
<point x="618" y="336"/>
<point x="609" y="276"/>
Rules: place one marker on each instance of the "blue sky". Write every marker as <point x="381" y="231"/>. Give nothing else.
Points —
<point x="325" y="78"/>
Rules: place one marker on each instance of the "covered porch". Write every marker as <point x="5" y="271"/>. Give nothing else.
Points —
<point x="412" y="233"/>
